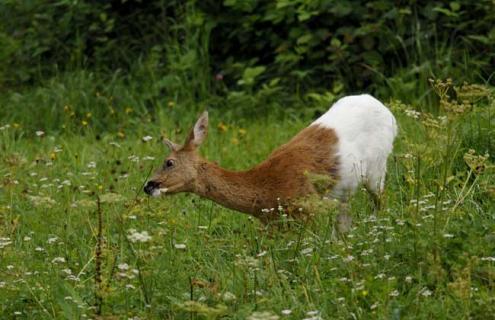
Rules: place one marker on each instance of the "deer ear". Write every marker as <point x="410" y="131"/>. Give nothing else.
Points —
<point x="172" y="146"/>
<point x="199" y="132"/>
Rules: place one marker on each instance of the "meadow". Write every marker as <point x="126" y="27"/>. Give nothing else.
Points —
<point x="79" y="239"/>
<point x="88" y="89"/>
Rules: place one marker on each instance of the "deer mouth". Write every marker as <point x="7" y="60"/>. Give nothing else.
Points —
<point x="158" y="191"/>
<point x="154" y="189"/>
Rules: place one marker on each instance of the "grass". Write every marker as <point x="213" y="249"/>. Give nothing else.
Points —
<point x="430" y="253"/>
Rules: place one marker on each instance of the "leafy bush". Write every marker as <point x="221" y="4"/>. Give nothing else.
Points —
<point x="356" y="42"/>
<point x="249" y="43"/>
<point x="40" y="37"/>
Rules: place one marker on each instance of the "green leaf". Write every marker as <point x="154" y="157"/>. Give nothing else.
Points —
<point x="250" y="74"/>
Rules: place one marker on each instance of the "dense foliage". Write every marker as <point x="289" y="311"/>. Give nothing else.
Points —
<point x="308" y="43"/>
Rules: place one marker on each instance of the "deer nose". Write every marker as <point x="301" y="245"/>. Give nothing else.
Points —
<point x="150" y="186"/>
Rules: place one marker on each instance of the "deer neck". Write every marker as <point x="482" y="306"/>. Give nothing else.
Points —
<point x="235" y="190"/>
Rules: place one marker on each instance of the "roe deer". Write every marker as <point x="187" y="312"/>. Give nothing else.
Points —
<point x="349" y="144"/>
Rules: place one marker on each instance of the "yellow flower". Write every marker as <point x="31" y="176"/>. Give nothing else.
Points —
<point x="66" y="108"/>
<point x="242" y="131"/>
<point x="53" y="156"/>
<point x="16" y="125"/>
<point x="222" y="127"/>
<point x="128" y="110"/>
<point x="88" y="115"/>
<point x="364" y="293"/>
<point x="234" y="141"/>
<point x="100" y="187"/>
<point x="84" y="123"/>
<point x="171" y="104"/>
<point x="120" y="134"/>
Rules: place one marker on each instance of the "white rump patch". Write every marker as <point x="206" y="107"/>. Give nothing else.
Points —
<point x="366" y="130"/>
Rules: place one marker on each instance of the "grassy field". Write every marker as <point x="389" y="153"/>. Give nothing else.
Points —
<point x="429" y="254"/>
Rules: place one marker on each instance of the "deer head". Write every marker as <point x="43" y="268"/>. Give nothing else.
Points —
<point x="179" y="171"/>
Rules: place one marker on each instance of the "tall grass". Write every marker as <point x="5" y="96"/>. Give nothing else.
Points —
<point x="80" y="136"/>
<point x="428" y="254"/>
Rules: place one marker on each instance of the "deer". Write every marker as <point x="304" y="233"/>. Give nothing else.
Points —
<point x="349" y="145"/>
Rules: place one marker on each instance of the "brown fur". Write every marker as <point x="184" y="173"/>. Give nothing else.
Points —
<point x="278" y="180"/>
<point x="305" y="165"/>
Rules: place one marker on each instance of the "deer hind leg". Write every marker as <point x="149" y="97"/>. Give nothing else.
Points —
<point x="343" y="221"/>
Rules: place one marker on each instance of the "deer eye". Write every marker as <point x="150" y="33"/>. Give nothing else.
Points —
<point x="169" y="163"/>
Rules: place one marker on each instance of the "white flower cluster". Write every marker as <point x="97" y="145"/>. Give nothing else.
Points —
<point x="4" y="242"/>
<point x="136" y="236"/>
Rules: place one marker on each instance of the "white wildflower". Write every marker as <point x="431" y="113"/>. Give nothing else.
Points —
<point x="91" y="165"/>
<point x="52" y="240"/>
<point x="425" y="292"/>
<point x="136" y="236"/>
<point x="67" y="271"/>
<point x="180" y="246"/>
<point x="133" y="158"/>
<point x="40" y="133"/>
<point x="73" y="278"/>
<point x="349" y="258"/>
<point x="412" y="113"/>
<point x="147" y="138"/>
<point x="58" y="260"/>
<point x="41" y="201"/>
<point x="4" y="242"/>
<point x="228" y="297"/>
<point x="262" y="253"/>
<point x="394" y="293"/>
<point x="123" y="266"/>
<point x="286" y="312"/>
<point x="491" y="259"/>
<point x="307" y="251"/>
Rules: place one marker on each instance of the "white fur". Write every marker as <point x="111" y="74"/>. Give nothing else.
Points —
<point x="366" y="130"/>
